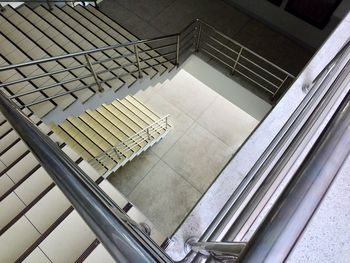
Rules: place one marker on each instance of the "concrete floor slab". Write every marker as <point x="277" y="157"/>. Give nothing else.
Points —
<point x="129" y="176"/>
<point x="228" y="122"/>
<point x="199" y="157"/>
<point x="164" y="197"/>
<point x="188" y="94"/>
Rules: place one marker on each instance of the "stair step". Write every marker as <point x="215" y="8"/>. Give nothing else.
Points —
<point x="80" y="13"/>
<point x="55" y="38"/>
<point x="119" y="33"/>
<point x="88" y="41"/>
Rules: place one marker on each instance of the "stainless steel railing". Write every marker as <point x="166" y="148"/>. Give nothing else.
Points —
<point x="125" y="149"/>
<point x="120" y="235"/>
<point x="245" y="205"/>
<point x="175" y="48"/>
<point x="241" y="60"/>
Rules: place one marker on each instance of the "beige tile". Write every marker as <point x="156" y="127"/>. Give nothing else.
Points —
<point x="68" y="240"/>
<point x="180" y="125"/>
<point x="37" y="256"/>
<point x="164" y="197"/>
<point x="127" y="178"/>
<point x="5" y="183"/>
<point x="198" y="156"/>
<point x="228" y="122"/>
<point x="188" y="94"/>
<point x="14" y="242"/>
<point x="9" y="208"/>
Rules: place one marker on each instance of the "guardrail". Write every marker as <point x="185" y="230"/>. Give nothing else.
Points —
<point x="126" y="149"/>
<point x="198" y="36"/>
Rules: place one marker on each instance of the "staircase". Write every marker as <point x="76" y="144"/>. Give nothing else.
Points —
<point x="37" y="222"/>
<point x="113" y="134"/>
<point x="37" y="34"/>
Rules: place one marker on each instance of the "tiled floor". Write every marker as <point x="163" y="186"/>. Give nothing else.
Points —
<point x="167" y="180"/>
<point x="151" y="18"/>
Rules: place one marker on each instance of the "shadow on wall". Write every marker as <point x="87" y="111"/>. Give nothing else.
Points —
<point x="227" y="87"/>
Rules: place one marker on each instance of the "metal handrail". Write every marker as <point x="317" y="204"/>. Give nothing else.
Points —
<point x="284" y="224"/>
<point x="122" y="148"/>
<point x="195" y="30"/>
<point x="117" y="232"/>
<point x="232" y="216"/>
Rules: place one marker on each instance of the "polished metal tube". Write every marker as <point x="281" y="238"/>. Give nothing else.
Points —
<point x="100" y="89"/>
<point x="136" y="51"/>
<point x="124" y="242"/>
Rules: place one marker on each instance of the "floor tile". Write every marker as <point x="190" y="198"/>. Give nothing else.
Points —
<point x="188" y="94"/>
<point x="132" y="22"/>
<point x="285" y="53"/>
<point x="167" y="204"/>
<point x="198" y="156"/>
<point x="146" y="9"/>
<point x="180" y="125"/>
<point x="125" y="179"/>
<point x="182" y="12"/>
<point x="228" y="122"/>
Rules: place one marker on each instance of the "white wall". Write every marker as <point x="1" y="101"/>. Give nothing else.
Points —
<point x="291" y="25"/>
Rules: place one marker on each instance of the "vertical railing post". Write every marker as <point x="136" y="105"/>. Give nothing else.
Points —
<point x="199" y="32"/>
<point x="100" y="89"/>
<point x="95" y="4"/>
<point x="49" y="4"/>
<point x="177" y="49"/>
<point x="136" y="50"/>
<point x="279" y="87"/>
<point x="166" y="122"/>
<point x="148" y="134"/>
<point x="236" y="62"/>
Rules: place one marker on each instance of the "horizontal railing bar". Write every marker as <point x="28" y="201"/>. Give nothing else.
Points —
<point x="49" y="86"/>
<point x="247" y="49"/>
<point x="135" y="135"/>
<point x="210" y="54"/>
<point x="41" y="75"/>
<point x="141" y="133"/>
<point x="123" y="151"/>
<point x="97" y="62"/>
<point x="59" y="95"/>
<point x="85" y="52"/>
<point x="193" y="23"/>
<point x="223" y="45"/>
<point x="265" y="70"/>
<point x="190" y="33"/>
<point x="129" y="148"/>
<point x="159" y="56"/>
<point x="156" y="48"/>
<point x="254" y="81"/>
<point x="184" y="44"/>
<point x="258" y="75"/>
<point x="220" y="52"/>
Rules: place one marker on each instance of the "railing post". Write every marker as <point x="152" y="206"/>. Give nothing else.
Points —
<point x="136" y="50"/>
<point x="166" y="122"/>
<point x="117" y="153"/>
<point x="198" y="39"/>
<point x="148" y="134"/>
<point x="236" y="62"/>
<point x="279" y="87"/>
<point x="2" y="8"/>
<point x="100" y="89"/>
<point x="49" y="4"/>
<point x="177" y="49"/>
<point x="95" y="4"/>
